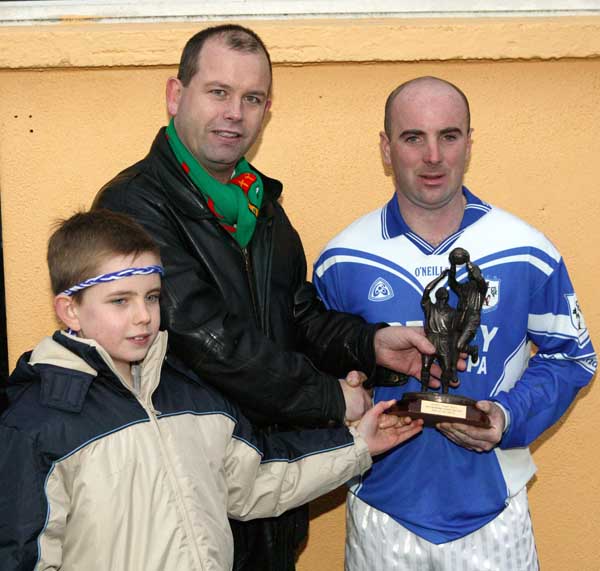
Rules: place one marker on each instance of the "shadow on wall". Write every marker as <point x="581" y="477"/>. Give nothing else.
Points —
<point x="3" y="344"/>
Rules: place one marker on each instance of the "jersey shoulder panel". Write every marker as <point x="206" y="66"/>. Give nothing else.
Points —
<point x="354" y="235"/>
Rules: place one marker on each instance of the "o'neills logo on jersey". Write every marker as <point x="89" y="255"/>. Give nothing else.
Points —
<point x="380" y="290"/>
<point x="492" y="296"/>
<point x="428" y="271"/>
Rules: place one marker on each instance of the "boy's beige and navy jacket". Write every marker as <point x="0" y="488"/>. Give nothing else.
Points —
<point x="96" y="476"/>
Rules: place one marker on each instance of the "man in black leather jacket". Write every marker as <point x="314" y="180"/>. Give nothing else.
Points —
<point x="243" y="316"/>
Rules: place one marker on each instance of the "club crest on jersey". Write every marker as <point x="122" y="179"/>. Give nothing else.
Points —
<point x="380" y="290"/>
<point x="492" y="296"/>
<point x="577" y="319"/>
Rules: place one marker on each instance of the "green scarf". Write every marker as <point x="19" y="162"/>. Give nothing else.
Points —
<point x="235" y="204"/>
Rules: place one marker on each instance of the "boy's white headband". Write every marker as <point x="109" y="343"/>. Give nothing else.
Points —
<point x="103" y="278"/>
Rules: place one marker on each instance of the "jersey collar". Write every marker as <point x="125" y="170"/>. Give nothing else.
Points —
<point x="393" y="225"/>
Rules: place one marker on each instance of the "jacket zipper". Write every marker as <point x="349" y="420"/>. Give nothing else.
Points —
<point x="189" y="529"/>
<point x="250" y="277"/>
<point x="153" y="418"/>
<point x="178" y="493"/>
<point x="268" y="244"/>
<point x="247" y="267"/>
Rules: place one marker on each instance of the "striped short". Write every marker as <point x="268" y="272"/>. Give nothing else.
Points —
<point x="376" y="542"/>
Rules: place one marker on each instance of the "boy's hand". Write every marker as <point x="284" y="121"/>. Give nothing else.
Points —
<point x="380" y="439"/>
<point x="357" y="399"/>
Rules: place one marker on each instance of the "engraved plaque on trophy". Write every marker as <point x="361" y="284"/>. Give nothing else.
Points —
<point x="450" y="330"/>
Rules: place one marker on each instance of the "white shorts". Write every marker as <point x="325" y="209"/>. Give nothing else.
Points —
<point x="376" y="542"/>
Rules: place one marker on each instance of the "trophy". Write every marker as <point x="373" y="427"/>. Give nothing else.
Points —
<point x="450" y="330"/>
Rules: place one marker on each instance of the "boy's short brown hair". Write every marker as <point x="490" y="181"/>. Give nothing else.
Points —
<point x="80" y="244"/>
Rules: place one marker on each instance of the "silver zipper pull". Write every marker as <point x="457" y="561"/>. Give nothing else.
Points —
<point x="136" y="373"/>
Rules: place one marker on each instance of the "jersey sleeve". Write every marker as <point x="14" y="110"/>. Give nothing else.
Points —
<point x="326" y="280"/>
<point x="565" y="361"/>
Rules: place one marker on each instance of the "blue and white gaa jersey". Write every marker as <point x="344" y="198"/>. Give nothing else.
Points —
<point x="378" y="268"/>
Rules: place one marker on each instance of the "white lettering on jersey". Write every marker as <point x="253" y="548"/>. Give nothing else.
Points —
<point x="488" y="336"/>
<point x="482" y="369"/>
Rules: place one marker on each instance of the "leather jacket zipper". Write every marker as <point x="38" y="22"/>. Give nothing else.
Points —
<point x="250" y="276"/>
<point x="247" y="263"/>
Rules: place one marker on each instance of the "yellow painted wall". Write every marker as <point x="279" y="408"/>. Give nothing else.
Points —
<point x="78" y="102"/>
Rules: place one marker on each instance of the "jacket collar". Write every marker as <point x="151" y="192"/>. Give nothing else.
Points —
<point x="67" y="365"/>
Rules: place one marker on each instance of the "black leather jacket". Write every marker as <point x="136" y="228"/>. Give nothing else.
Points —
<point x="245" y="320"/>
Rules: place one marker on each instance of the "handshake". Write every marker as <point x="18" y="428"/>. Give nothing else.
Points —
<point x="380" y="431"/>
<point x="397" y="348"/>
<point x="400" y="349"/>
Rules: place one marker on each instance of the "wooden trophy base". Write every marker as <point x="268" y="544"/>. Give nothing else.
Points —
<point x="436" y="407"/>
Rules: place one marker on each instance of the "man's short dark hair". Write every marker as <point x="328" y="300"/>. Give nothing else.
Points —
<point x="80" y="245"/>
<point x="387" y="123"/>
<point x="235" y="37"/>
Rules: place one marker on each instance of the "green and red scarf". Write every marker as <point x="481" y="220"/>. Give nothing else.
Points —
<point x="235" y="204"/>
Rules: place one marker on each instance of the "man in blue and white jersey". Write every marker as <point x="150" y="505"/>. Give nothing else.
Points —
<point x="455" y="497"/>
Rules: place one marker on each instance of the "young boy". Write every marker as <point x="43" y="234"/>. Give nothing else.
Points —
<point x="116" y="457"/>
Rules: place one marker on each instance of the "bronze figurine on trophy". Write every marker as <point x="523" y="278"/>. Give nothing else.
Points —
<point x="450" y="330"/>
